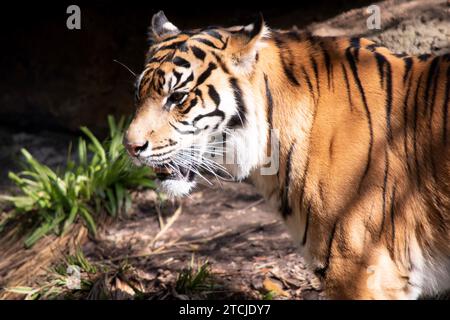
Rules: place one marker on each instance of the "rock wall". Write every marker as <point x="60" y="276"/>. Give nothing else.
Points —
<point x="414" y="27"/>
<point x="55" y="78"/>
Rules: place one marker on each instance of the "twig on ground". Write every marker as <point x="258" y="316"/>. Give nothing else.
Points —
<point x="167" y="226"/>
<point x="175" y="243"/>
<point x="158" y="211"/>
<point x="253" y="204"/>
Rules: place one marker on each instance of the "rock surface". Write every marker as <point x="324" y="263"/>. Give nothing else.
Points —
<point x="414" y="27"/>
<point x="62" y="79"/>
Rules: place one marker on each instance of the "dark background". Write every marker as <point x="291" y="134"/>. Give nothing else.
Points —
<point x="57" y="79"/>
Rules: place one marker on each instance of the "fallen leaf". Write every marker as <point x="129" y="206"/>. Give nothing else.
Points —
<point x="272" y="286"/>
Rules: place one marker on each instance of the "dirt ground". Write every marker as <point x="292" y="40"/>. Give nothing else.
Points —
<point x="228" y="225"/>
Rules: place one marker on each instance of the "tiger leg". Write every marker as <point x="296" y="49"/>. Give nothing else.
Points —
<point x="375" y="277"/>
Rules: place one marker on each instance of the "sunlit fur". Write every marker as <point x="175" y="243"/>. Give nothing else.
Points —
<point x="364" y="177"/>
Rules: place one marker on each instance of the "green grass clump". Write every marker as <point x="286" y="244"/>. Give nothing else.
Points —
<point x="59" y="280"/>
<point x="268" y="295"/>
<point x="97" y="180"/>
<point x="195" y="278"/>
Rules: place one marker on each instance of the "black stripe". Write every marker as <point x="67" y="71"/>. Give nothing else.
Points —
<point x="286" y="209"/>
<point x="173" y="45"/>
<point x="384" y="189"/>
<point x="215" y="34"/>
<point x="354" y="69"/>
<point x="170" y="83"/>
<point x="432" y="71"/>
<point x="424" y="57"/>
<point x="191" y="105"/>
<point x="239" y="119"/>
<point x="416" y="111"/>
<point x="161" y="81"/>
<point x="269" y="103"/>
<point x="269" y="109"/>
<point x="170" y="38"/>
<point x="205" y="75"/>
<point x="305" y="233"/>
<point x="433" y="77"/>
<point x="181" y="62"/>
<point x="355" y="42"/>
<point x="214" y="95"/>
<point x="145" y="79"/>
<point x="162" y="154"/>
<point x="206" y="42"/>
<point x="328" y="66"/>
<point x="322" y="272"/>
<point x="287" y="66"/>
<point x="198" y="53"/>
<point x="445" y="108"/>
<point x="183" y="47"/>
<point x="186" y="81"/>
<point x="170" y="144"/>
<point x="199" y="94"/>
<point x="405" y="126"/>
<point x="389" y="90"/>
<point x="156" y="59"/>
<point x="347" y="86"/>
<point x="308" y="82"/>
<point x="372" y="47"/>
<point x="392" y="214"/>
<point x="408" y="65"/>
<point x="215" y="113"/>
<point x="303" y="181"/>
<point x="225" y="44"/>
<point x="316" y="74"/>
<point x="196" y="131"/>
<point x="177" y="77"/>
<point x="380" y="64"/>
<point x="221" y="63"/>
<point x="294" y="35"/>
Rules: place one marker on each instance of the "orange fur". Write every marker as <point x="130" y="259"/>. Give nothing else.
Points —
<point x="364" y="177"/>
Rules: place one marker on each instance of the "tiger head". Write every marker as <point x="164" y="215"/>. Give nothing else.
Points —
<point x="197" y="84"/>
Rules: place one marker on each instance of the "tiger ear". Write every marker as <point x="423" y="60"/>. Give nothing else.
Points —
<point x="245" y="44"/>
<point x="161" y="27"/>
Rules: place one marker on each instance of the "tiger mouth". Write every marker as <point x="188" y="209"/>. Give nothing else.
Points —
<point x="172" y="171"/>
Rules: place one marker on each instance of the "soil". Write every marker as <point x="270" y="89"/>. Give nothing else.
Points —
<point x="229" y="226"/>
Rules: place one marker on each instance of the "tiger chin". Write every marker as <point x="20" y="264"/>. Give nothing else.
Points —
<point x="363" y="157"/>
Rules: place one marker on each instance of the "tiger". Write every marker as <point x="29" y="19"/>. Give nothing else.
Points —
<point x="363" y="177"/>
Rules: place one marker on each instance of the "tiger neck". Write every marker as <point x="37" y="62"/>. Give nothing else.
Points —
<point x="288" y="117"/>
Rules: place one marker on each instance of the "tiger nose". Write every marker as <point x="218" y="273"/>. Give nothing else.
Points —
<point x="134" y="149"/>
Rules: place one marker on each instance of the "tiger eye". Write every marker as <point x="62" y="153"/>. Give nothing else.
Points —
<point x="177" y="97"/>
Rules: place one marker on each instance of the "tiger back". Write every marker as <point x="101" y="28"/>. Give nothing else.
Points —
<point x="364" y="172"/>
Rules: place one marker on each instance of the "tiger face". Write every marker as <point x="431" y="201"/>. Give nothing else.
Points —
<point x="191" y="89"/>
